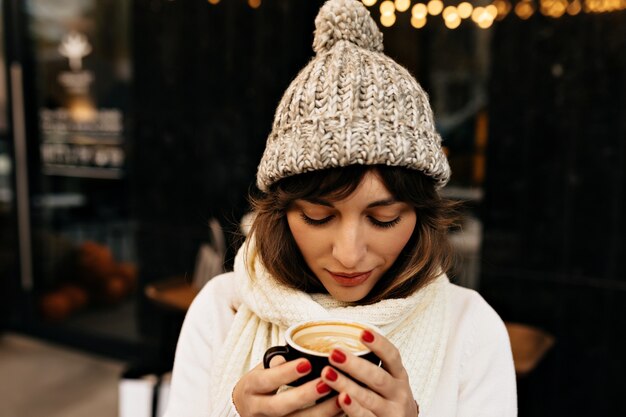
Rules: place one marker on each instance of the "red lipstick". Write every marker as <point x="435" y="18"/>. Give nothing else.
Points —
<point x="350" y="279"/>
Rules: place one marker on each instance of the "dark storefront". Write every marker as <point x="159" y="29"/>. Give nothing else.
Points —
<point x="126" y="126"/>
<point x="70" y="76"/>
<point x="554" y="213"/>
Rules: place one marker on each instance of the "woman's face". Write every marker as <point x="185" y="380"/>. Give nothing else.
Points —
<point x="349" y="244"/>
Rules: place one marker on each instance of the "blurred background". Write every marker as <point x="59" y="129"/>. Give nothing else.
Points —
<point x="130" y="132"/>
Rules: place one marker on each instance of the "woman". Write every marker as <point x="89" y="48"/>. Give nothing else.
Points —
<point x="349" y="224"/>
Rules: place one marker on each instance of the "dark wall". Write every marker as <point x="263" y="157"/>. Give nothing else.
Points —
<point x="208" y="79"/>
<point x="554" y="208"/>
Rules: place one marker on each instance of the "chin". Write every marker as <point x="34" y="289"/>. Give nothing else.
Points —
<point x="348" y="296"/>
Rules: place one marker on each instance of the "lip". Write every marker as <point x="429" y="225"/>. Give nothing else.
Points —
<point x="350" y="279"/>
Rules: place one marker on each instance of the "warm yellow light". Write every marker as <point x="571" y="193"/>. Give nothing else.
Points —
<point x="82" y="110"/>
<point x="403" y="5"/>
<point x="477" y="13"/>
<point x="418" y="23"/>
<point x="504" y="7"/>
<point x="492" y="10"/>
<point x="600" y="6"/>
<point x="451" y="17"/>
<point x="558" y="8"/>
<point x="387" y="8"/>
<point x="465" y="10"/>
<point x="369" y="3"/>
<point x="419" y="11"/>
<point x="544" y="6"/>
<point x="574" y="8"/>
<point x="450" y="13"/>
<point x="524" y="9"/>
<point x="214" y="1"/>
<point x="482" y="17"/>
<point x="254" y="3"/>
<point x="453" y="23"/>
<point x="435" y="7"/>
<point x="388" y="19"/>
<point x="485" y="23"/>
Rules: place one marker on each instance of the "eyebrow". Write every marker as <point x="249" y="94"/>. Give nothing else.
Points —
<point x="378" y="203"/>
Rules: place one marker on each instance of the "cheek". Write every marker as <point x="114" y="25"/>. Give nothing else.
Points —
<point x="391" y="244"/>
<point x="302" y="235"/>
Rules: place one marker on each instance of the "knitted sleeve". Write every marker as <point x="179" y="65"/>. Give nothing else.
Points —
<point x="204" y="330"/>
<point x="487" y="380"/>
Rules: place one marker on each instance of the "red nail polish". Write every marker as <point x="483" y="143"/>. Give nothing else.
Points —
<point x="337" y="402"/>
<point x="322" y="388"/>
<point x="338" y="356"/>
<point x="303" y="367"/>
<point x="367" y="336"/>
<point x="347" y="400"/>
<point x="331" y="375"/>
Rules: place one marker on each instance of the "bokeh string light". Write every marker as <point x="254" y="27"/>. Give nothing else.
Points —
<point x="482" y="13"/>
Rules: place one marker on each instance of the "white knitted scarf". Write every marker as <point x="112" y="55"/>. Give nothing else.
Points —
<point x="417" y="325"/>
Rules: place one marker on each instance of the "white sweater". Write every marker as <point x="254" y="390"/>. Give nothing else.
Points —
<point x="477" y="379"/>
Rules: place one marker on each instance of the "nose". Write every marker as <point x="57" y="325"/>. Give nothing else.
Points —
<point x="349" y="245"/>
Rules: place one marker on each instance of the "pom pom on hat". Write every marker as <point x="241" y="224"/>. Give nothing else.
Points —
<point x="346" y="20"/>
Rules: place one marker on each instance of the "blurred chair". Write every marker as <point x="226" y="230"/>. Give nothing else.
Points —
<point x="529" y="345"/>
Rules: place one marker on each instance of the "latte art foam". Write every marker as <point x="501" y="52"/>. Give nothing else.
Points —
<point x="322" y="337"/>
<point x="325" y="342"/>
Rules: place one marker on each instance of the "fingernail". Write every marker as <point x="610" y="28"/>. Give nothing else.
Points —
<point x="303" y="367"/>
<point x="337" y="402"/>
<point x="331" y="375"/>
<point x="347" y="400"/>
<point x="338" y="356"/>
<point x="367" y="336"/>
<point x="322" y="388"/>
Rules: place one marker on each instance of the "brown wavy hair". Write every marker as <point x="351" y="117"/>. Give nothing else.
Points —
<point x="425" y="256"/>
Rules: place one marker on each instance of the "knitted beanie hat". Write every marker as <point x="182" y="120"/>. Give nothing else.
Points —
<point x="351" y="104"/>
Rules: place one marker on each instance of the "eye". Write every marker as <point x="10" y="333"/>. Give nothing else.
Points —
<point x="384" y="225"/>
<point x="314" y="222"/>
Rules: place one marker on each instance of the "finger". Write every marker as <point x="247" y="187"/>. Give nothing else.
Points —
<point x="353" y="408"/>
<point x="277" y="360"/>
<point x="386" y="351"/>
<point x="367" y="398"/>
<point x="269" y="380"/>
<point x="376" y="378"/>
<point x="295" y="398"/>
<point x="328" y="408"/>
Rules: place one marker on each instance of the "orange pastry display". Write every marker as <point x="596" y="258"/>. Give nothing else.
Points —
<point x="98" y="279"/>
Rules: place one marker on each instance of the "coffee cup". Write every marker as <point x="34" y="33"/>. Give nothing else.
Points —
<point x="315" y="340"/>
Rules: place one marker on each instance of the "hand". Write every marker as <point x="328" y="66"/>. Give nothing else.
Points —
<point x="255" y="393"/>
<point x="387" y="391"/>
